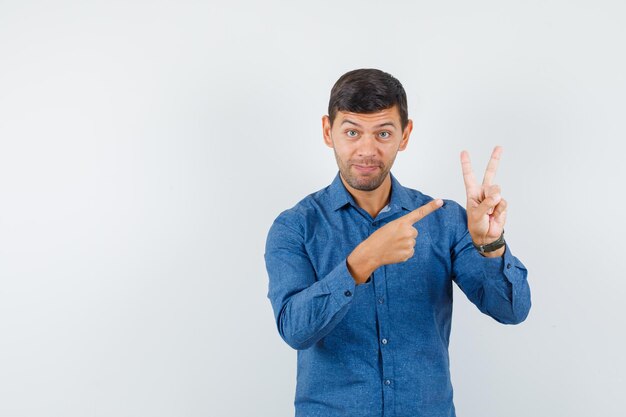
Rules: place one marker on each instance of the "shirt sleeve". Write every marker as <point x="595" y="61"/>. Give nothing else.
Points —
<point x="497" y="286"/>
<point x="306" y="307"/>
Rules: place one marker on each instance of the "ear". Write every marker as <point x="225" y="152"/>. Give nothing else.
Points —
<point x="405" y="135"/>
<point x="326" y="131"/>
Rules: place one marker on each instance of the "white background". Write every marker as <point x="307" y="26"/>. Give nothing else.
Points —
<point x="146" y="148"/>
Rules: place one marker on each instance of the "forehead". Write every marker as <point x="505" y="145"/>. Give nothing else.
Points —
<point x="384" y="116"/>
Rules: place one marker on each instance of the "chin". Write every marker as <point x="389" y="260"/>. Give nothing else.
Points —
<point x="364" y="182"/>
<point x="366" y="185"/>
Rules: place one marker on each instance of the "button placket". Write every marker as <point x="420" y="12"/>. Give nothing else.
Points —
<point x="378" y="278"/>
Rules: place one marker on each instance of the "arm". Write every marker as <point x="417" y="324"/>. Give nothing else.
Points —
<point x="305" y="309"/>
<point x="498" y="285"/>
<point x="495" y="283"/>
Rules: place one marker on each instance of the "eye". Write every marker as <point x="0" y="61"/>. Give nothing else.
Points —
<point x="384" y="135"/>
<point x="352" y="133"/>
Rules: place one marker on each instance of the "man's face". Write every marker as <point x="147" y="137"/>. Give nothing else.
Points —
<point x="366" y="145"/>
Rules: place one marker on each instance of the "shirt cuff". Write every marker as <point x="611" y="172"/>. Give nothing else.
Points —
<point x="506" y="264"/>
<point x="340" y="284"/>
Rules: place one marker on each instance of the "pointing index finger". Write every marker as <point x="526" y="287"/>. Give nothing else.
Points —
<point x="423" y="211"/>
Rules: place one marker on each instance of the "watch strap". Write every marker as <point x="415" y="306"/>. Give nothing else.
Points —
<point x="490" y="247"/>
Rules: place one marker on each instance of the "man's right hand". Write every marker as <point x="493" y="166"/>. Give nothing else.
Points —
<point x="393" y="243"/>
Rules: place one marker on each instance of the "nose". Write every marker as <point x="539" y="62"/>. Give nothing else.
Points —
<point x="367" y="146"/>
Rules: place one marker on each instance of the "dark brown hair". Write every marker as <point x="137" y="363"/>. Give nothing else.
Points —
<point x="367" y="90"/>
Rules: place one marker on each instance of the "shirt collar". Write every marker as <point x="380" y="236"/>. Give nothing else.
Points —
<point x="339" y="195"/>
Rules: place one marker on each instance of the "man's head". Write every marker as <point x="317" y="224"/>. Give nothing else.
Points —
<point x="367" y="124"/>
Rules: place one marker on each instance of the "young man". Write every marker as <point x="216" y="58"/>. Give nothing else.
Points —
<point x="361" y="272"/>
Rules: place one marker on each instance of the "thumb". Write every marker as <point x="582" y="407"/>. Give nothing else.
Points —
<point x="423" y="211"/>
<point x="487" y="205"/>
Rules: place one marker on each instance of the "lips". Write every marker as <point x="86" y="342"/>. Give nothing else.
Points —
<point x="366" y="168"/>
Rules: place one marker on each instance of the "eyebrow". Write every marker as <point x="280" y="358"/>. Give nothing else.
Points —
<point x="359" y="126"/>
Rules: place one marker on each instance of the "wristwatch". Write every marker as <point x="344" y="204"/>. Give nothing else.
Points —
<point x="490" y="247"/>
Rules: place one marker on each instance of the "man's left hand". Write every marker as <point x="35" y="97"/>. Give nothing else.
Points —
<point x="486" y="209"/>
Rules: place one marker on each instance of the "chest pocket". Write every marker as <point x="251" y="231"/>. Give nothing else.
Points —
<point x="327" y="250"/>
<point x="420" y="278"/>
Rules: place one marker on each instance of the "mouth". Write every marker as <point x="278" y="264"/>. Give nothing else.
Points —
<point x="366" y="168"/>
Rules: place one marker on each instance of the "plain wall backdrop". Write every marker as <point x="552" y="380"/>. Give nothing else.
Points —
<point x="146" y="147"/>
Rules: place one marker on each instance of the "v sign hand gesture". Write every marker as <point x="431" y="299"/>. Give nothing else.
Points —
<point x="486" y="209"/>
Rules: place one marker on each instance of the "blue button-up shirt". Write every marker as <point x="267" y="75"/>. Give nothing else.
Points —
<point x="379" y="348"/>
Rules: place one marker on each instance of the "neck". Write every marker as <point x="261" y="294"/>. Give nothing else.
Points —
<point x="371" y="201"/>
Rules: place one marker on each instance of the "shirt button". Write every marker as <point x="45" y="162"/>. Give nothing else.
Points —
<point x="508" y="266"/>
<point x="387" y="382"/>
<point x="384" y="341"/>
<point x="347" y="293"/>
<point x="381" y="300"/>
